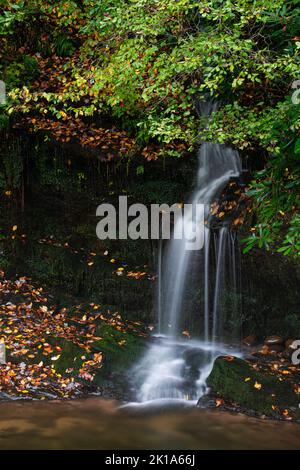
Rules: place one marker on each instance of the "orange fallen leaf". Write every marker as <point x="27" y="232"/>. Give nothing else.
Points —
<point x="229" y="358"/>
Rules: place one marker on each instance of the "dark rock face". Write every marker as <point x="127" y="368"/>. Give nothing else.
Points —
<point x="271" y="296"/>
<point x="237" y="380"/>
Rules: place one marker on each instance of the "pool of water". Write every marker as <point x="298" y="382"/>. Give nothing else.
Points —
<point x="96" y="423"/>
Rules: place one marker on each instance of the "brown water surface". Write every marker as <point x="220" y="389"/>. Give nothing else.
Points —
<point x="96" y="423"/>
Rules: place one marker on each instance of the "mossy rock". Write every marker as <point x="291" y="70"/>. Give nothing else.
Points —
<point x="70" y="357"/>
<point x="234" y="379"/>
<point x="120" y="351"/>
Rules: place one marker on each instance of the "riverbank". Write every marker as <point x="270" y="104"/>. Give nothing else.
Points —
<point x="50" y="352"/>
<point x="64" y="353"/>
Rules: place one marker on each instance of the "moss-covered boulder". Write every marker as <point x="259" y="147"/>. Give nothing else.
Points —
<point x="251" y="387"/>
<point x="120" y="348"/>
<point x="120" y="351"/>
<point x="63" y="352"/>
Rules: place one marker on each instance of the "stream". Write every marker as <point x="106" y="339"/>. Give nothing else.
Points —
<point x="99" y="424"/>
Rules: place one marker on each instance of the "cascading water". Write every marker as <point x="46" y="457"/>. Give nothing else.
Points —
<point x="174" y="368"/>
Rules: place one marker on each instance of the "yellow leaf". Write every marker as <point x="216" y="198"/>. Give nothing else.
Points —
<point x="257" y="385"/>
<point x="247" y="379"/>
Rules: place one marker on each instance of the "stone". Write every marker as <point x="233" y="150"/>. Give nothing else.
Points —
<point x="2" y="353"/>
<point x="288" y="345"/>
<point x="263" y="349"/>
<point x="274" y="339"/>
<point x="275" y="348"/>
<point x="195" y="357"/>
<point x="289" y="348"/>
<point x="206" y="401"/>
<point x="234" y="379"/>
<point x="250" y="340"/>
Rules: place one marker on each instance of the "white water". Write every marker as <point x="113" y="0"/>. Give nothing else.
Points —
<point x="217" y="165"/>
<point x="175" y="368"/>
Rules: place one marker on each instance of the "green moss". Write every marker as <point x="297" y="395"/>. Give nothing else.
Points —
<point x="70" y="356"/>
<point x="227" y="378"/>
<point x="120" y="349"/>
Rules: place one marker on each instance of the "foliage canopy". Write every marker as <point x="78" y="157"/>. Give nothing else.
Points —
<point x="148" y="64"/>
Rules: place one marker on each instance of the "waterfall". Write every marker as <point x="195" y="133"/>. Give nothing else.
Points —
<point x="219" y="272"/>
<point x="176" y="367"/>
<point x="217" y="165"/>
<point x="159" y="284"/>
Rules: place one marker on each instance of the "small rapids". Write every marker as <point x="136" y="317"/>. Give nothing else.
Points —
<point x="176" y="370"/>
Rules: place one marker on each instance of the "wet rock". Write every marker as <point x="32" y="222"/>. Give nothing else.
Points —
<point x="191" y="374"/>
<point x="206" y="401"/>
<point x="262" y="349"/>
<point x="250" y="340"/>
<point x="275" y="348"/>
<point x="290" y="348"/>
<point x="274" y="339"/>
<point x="195" y="357"/>
<point x="236" y="380"/>
<point x="289" y="345"/>
<point x="250" y="357"/>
